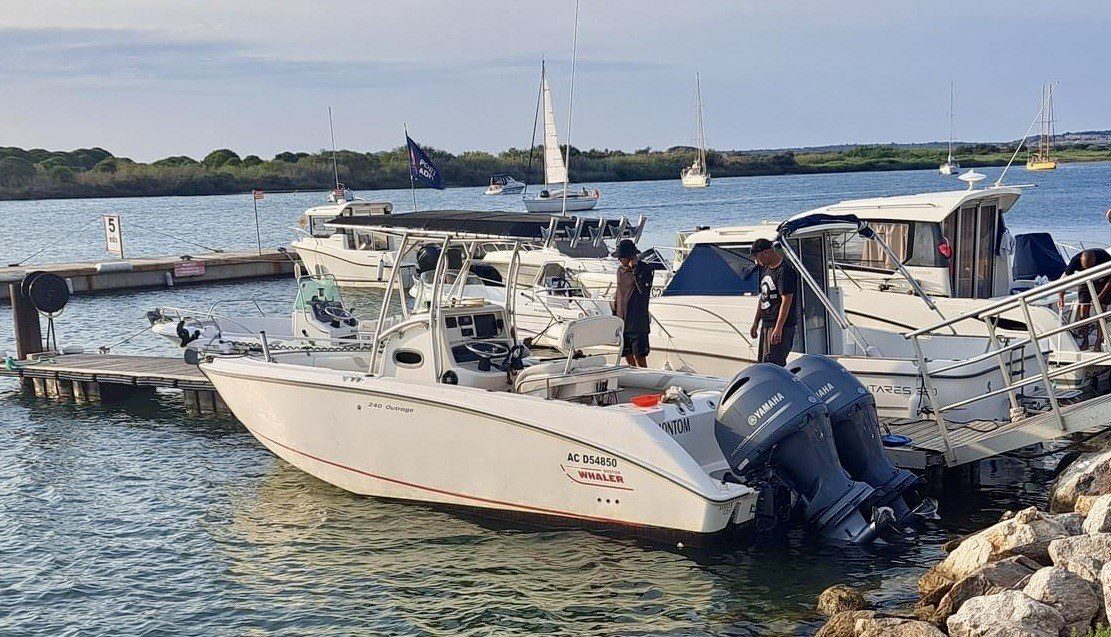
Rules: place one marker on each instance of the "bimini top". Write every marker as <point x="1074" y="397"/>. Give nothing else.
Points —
<point x="929" y="206"/>
<point x="530" y="227"/>
<point x="354" y="208"/>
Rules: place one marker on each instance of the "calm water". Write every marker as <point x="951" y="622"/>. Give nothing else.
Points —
<point x="142" y="520"/>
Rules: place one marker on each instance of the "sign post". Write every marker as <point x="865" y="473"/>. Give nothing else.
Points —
<point x="256" y="195"/>
<point x="113" y="235"/>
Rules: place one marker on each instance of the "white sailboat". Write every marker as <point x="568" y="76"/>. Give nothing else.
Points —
<point x="950" y="167"/>
<point x="696" y="175"/>
<point x="557" y="196"/>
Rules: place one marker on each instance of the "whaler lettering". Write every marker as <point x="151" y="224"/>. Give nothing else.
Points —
<point x="600" y="477"/>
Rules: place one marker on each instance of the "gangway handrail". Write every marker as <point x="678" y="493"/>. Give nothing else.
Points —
<point x="1016" y="300"/>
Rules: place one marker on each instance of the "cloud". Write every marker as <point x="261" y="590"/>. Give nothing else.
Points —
<point x="123" y="58"/>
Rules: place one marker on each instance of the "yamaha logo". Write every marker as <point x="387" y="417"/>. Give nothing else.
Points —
<point x="762" y="410"/>
<point x="752" y="420"/>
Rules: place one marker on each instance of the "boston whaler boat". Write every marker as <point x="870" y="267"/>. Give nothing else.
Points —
<point x="445" y="405"/>
<point x="354" y="259"/>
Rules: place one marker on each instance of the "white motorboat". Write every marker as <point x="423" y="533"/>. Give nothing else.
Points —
<point x="446" y="406"/>
<point x="319" y="317"/>
<point x="557" y="194"/>
<point x="697" y="175"/>
<point x="354" y="259"/>
<point x="951" y="166"/>
<point x="504" y="185"/>
<point x="704" y="314"/>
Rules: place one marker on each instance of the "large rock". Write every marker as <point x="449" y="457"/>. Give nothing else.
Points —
<point x="1006" y="613"/>
<point x="895" y="627"/>
<point x="1073" y="523"/>
<point x="1007" y="574"/>
<point x="1096" y="546"/>
<point x="1073" y="597"/>
<point x="869" y="623"/>
<point x="1090" y="474"/>
<point x="1105" y="581"/>
<point x="1028" y="533"/>
<point x="838" y="598"/>
<point x="1099" y="516"/>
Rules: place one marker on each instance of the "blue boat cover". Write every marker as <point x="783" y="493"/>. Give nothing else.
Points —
<point x="710" y="270"/>
<point x="1037" y="255"/>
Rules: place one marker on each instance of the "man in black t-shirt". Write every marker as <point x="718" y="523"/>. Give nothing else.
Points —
<point x="775" y="320"/>
<point x="1084" y="260"/>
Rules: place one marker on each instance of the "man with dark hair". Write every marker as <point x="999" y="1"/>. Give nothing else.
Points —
<point x="775" y="319"/>
<point x="1084" y="260"/>
<point x="634" y="289"/>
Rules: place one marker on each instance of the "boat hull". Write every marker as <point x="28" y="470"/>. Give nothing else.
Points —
<point x="555" y="204"/>
<point x="949" y="169"/>
<point x="350" y="268"/>
<point x="408" y="441"/>
<point x="695" y="181"/>
<point x="1041" y="165"/>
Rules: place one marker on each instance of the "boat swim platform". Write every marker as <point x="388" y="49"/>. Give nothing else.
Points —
<point x="121" y="274"/>
<point x="979" y="440"/>
<point x="108" y="378"/>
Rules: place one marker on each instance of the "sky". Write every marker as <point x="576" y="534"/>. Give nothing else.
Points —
<point x="150" y="78"/>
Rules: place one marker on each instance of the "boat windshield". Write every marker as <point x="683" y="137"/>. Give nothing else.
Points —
<point x="316" y="289"/>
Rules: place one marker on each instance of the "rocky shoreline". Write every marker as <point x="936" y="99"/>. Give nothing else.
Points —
<point x="1032" y="574"/>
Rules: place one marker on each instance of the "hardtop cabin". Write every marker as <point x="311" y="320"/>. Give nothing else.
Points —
<point x="950" y="241"/>
<point x="314" y="220"/>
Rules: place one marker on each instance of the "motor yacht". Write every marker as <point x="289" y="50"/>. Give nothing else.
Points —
<point x="353" y="258"/>
<point x="504" y="185"/>
<point x="445" y="405"/>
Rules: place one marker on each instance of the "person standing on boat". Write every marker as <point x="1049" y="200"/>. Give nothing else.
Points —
<point x="775" y="322"/>
<point x="634" y="289"/>
<point x="1084" y="260"/>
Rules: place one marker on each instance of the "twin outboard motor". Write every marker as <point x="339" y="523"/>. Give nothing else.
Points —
<point x="429" y="253"/>
<point x="856" y="434"/>
<point x="771" y="426"/>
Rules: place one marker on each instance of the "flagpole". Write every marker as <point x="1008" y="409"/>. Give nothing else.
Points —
<point x="412" y="183"/>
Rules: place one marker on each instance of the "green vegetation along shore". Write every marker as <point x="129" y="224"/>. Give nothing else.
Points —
<point x="95" y="172"/>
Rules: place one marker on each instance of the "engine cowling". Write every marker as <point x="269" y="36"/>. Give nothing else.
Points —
<point x="770" y="421"/>
<point x="856" y="433"/>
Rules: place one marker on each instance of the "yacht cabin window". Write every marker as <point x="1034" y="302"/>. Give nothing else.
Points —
<point x="915" y="243"/>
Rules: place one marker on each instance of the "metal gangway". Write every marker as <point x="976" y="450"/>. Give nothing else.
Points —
<point x="1041" y="410"/>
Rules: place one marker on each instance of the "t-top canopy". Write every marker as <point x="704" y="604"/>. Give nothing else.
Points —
<point x="497" y="225"/>
<point x="811" y="223"/>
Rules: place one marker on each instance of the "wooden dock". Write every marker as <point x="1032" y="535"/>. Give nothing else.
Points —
<point x="92" y="378"/>
<point x="157" y="271"/>
<point x="978" y="440"/>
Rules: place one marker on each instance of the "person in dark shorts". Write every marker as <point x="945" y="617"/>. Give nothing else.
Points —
<point x="634" y="288"/>
<point x="775" y="321"/>
<point x="1084" y="260"/>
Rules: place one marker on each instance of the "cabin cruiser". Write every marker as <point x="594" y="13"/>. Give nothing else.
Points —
<point x="354" y="259"/>
<point x="445" y="405"/>
<point x="319" y="317"/>
<point x="701" y="319"/>
<point x="504" y="185"/>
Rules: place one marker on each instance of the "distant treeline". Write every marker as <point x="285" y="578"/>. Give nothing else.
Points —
<point x="95" y="172"/>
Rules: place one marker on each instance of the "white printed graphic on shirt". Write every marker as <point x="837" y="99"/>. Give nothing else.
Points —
<point x="768" y="292"/>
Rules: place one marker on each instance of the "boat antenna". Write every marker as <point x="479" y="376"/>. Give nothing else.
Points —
<point x="1037" y="119"/>
<point x="335" y="164"/>
<point x="570" y="110"/>
<point x="535" y="120"/>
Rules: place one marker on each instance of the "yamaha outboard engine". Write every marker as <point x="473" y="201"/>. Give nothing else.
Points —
<point x="856" y="433"/>
<point x="770" y="421"/>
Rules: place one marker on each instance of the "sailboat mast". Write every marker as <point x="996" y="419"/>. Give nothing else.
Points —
<point x="335" y="164"/>
<point x="701" y="131"/>
<point x="570" y="110"/>
<point x="950" y="160"/>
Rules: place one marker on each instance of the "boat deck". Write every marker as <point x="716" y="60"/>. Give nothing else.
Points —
<point x="983" y="439"/>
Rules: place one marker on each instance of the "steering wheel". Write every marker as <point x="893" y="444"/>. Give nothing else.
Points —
<point x="336" y="312"/>
<point x="486" y="350"/>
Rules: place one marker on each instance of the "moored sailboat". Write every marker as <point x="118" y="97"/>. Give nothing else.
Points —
<point x="696" y="175"/>
<point x="1042" y="158"/>
<point x="950" y="167"/>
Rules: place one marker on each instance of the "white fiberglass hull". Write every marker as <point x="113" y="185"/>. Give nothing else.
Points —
<point x="949" y="168"/>
<point x="695" y="181"/>
<point x="350" y="268"/>
<point x="575" y="203"/>
<point x="503" y="453"/>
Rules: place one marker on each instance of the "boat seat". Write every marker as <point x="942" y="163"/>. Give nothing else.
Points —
<point x="576" y="377"/>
